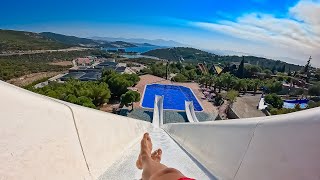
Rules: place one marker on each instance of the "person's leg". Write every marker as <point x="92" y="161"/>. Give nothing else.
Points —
<point x="150" y="163"/>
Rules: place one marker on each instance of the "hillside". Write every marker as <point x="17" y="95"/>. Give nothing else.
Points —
<point x="85" y="42"/>
<point x="179" y="53"/>
<point x="13" y="41"/>
<point x="21" y="40"/>
<point x="71" y="40"/>
<point x="195" y="55"/>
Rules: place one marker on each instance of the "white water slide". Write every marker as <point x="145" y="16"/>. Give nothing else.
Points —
<point x="191" y="115"/>
<point x="43" y="138"/>
<point x="157" y="119"/>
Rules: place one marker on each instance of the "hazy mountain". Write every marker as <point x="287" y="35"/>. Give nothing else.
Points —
<point x="157" y="42"/>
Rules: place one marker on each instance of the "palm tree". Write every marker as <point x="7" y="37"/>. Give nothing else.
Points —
<point x="219" y="83"/>
<point x="211" y="80"/>
<point x="215" y="82"/>
<point x="241" y="85"/>
<point x="256" y="84"/>
<point x="227" y="80"/>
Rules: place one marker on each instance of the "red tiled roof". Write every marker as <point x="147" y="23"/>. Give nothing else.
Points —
<point x="83" y="60"/>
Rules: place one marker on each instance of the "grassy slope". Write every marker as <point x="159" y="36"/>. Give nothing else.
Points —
<point x="20" y="40"/>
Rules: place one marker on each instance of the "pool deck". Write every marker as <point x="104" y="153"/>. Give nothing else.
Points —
<point x="150" y="79"/>
<point x="246" y="106"/>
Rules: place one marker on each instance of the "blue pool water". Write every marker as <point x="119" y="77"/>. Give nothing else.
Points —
<point x="290" y="104"/>
<point x="174" y="97"/>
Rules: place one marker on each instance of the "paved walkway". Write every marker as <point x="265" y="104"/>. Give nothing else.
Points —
<point x="169" y="116"/>
<point x="246" y="106"/>
<point x="173" y="156"/>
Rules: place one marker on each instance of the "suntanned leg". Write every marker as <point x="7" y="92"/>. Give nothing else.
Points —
<point x="150" y="163"/>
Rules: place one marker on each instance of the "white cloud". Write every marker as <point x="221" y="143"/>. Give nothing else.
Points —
<point x="298" y="33"/>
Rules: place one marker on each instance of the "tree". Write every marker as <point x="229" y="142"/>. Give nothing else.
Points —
<point x="268" y="72"/>
<point x="218" y="100"/>
<point x="134" y="78"/>
<point x="219" y="83"/>
<point x="202" y="80"/>
<point x="99" y="93"/>
<point x="119" y="85"/>
<point x="107" y="74"/>
<point x="256" y="83"/>
<point x="274" y="69"/>
<point x="283" y="69"/>
<point x="251" y="70"/>
<point x="129" y="98"/>
<point x="215" y="82"/>
<point x="232" y="96"/>
<point x="179" y="78"/>
<point x="289" y="72"/>
<point x="241" y="85"/>
<point x="274" y="86"/>
<point x="240" y="72"/>
<point x="227" y="80"/>
<point x="314" y="90"/>
<point x="89" y="94"/>
<point x="191" y="74"/>
<point x="307" y="66"/>
<point x="274" y="100"/>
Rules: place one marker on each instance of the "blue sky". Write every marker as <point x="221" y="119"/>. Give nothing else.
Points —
<point x="287" y="29"/>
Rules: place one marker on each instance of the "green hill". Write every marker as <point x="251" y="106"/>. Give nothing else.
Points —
<point x="11" y="40"/>
<point x="21" y="40"/>
<point x="85" y="42"/>
<point x="195" y="56"/>
<point x="70" y="40"/>
<point x="179" y="53"/>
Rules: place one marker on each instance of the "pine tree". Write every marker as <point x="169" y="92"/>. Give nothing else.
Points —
<point x="240" y="72"/>
<point x="274" y="69"/>
<point x="306" y="67"/>
<point x="289" y="72"/>
<point x="283" y="68"/>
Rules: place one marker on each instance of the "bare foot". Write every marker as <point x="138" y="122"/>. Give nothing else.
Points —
<point x="156" y="155"/>
<point x="146" y="148"/>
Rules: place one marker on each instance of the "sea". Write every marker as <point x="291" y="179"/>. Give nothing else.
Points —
<point x="138" y="49"/>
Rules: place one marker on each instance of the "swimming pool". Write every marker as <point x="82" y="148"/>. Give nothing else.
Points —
<point x="290" y="104"/>
<point x="173" y="97"/>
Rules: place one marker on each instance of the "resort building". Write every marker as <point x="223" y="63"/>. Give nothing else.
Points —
<point x="215" y="69"/>
<point x="84" y="61"/>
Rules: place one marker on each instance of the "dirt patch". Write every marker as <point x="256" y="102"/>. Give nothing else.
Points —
<point x="28" y="79"/>
<point x="62" y="63"/>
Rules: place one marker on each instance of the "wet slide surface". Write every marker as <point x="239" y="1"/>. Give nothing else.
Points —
<point x="173" y="156"/>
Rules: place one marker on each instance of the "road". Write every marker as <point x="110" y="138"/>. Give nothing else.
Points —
<point x="44" y="51"/>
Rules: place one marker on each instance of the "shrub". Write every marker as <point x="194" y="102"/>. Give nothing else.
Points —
<point x="232" y="95"/>
<point x="179" y="78"/>
<point x="274" y="100"/>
